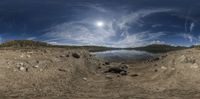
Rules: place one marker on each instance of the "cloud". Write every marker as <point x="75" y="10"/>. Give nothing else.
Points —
<point x="156" y="25"/>
<point x="115" y="32"/>
<point x="135" y="17"/>
<point x="31" y="38"/>
<point x="192" y="26"/>
<point x="138" y="39"/>
<point x="157" y="42"/>
<point x="189" y="37"/>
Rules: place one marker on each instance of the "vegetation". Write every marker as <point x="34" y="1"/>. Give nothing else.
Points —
<point x="159" y="48"/>
<point x="38" y="44"/>
<point x="196" y="46"/>
<point x="24" y="43"/>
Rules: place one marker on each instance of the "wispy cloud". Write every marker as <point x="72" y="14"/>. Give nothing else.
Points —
<point x="135" y="17"/>
<point x="192" y="26"/>
<point x="85" y="32"/>
<point x="31" y="38"/>
<point x="189" y="37"/>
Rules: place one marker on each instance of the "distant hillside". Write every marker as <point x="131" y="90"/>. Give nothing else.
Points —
<point x="24" y="43"/>
<point x="196" y="46"/>
<point x="159" y="48"/>
<point x="36" y="44"/>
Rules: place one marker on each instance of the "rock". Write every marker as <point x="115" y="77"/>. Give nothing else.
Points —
<point x="184" y="59"/>
<point x="85" y="78"/>
<point x="116" y="70"/>
<point x="163" y="67"/>
<point x="163" y="56"/>
<point x="194" y="66"/>
<point x="108" y="76"/>
<point x="123" y="73"/>
<point x="134" y="75"/>
<point x="75" y="55"/>
<point x="173" y="68"/>
<point x="124" y="67"/>
<point x="99" y="67"/>
<point x="156" y="59"/>
<point x="22" y="55"/>
<point x="36" y="66"/>
<point x="62" y="70"/>
<point x="37" y="62"/>
<point x="67" y="55"/>
<point x="28" y="56"/>
<point x="23" y="69"/>
<point x="107" y="63"/>
<point x="156" y="70"/>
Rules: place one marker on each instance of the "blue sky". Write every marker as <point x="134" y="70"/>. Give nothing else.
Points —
<point x="116" y="23"/>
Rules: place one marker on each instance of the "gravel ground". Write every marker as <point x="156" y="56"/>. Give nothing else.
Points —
<point x="56" y="73"/>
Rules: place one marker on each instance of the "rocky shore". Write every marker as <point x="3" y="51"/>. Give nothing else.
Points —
<point x="52" y="73"/>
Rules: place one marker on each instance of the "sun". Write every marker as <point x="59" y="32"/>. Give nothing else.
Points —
<point x="100" y="24"/>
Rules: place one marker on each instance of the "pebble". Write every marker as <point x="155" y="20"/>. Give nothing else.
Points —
<point x="36" y="66"/>
<point x="22" y="68"/>
<point x="22" y="55"/>
<point x="108" y="76"/>
<point x="85" y="78"/>
<point x="163" y="67"/>
<point x="173" y="69"/>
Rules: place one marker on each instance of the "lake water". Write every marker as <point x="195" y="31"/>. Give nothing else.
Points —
<point x="124" y="55"/>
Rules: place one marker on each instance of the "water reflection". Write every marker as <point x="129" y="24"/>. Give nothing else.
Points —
<point x="124" y="55"/>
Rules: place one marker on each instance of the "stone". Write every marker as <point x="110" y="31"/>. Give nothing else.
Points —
<point x="67" y="55"/>
<point x="134" y="75"/>
<point x="124" y="67"/>
<point x="62" y="70"/>
<point x="173" y="69"/>
<point x="163" y="67"/>
<point x="107" y="63"/>
<point x="194" y="66"/>
<point x="75" y="55"/>
<point x="85" y="78"/>
<point x="156" y="70"/>
<point x="156" y="59"/>
<point x="116" y="70"/>
<point x="184" y="59"/>
<point x="22" y="55"/>
<point x="108" y="76"/>
<point x="36" y="66"/>
<point x="22" y="68"/>
<point x="28" y="56"/>
<point x="123" y="73"/>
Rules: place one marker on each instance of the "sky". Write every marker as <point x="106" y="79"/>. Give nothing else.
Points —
<point x="114" y="23"/>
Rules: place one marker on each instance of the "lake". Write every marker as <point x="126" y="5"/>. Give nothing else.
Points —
<point x="124" y="55"/>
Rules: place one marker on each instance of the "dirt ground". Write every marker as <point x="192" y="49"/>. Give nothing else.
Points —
<point x="55" y="73"/>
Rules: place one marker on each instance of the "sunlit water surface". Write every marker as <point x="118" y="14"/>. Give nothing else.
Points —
<point x="124" y="55"/>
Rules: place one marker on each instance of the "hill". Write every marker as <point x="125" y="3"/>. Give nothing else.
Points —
<point x="36" y="44"/>
<point x="24" y="43"/>
<point x="159" y="48"/>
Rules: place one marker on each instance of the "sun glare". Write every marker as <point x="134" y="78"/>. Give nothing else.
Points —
<point x="99" y="24"/>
